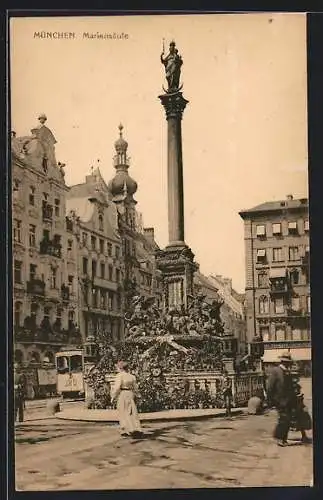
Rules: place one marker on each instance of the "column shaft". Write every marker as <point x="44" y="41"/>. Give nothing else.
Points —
<point x="175" y="182"/>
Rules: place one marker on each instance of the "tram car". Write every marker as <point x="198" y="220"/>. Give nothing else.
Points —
<point x="70" y="366"/>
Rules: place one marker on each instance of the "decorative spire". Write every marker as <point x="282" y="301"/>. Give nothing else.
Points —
<point x="122" y="183"/>
<point x="121" y="145"/>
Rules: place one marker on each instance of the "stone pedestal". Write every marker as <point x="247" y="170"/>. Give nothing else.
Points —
<point x="177" y="266"/>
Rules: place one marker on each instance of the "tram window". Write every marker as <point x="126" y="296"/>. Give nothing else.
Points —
<point x="76" y="363"/>
<point x="62" y="364"/>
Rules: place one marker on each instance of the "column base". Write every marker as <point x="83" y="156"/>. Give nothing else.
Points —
<point x="177" y="266"/>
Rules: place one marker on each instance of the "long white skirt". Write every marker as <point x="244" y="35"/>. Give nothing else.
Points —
<point x="128" y="413"/>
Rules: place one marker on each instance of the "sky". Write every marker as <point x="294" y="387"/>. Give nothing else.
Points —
<point x="244" y="129"/>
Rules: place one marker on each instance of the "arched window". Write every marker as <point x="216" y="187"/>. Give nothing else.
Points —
<point x="263" y="305"/>
<point x="101" y="222"/>
<point x="18" y="311"/>
<point x="50" y="357"/>
<point x="35" y="357"/>
<point x="32" y="195"/>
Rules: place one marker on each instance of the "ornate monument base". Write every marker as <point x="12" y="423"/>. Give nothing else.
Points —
<point x="176" y="263"/>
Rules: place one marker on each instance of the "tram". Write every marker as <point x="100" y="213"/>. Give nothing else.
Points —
<point x="69" y="367"/>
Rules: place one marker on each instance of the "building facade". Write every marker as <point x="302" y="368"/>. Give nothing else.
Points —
<point x="232" y="310"/>
<point x="100" y="270"/>
<point x="277" y="278"/>
<point x="43" y="304"/>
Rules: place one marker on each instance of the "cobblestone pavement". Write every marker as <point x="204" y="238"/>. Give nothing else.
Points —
<point x="65" y="455"/>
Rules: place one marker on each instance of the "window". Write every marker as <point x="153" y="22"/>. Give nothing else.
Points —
<point x="118" y="301"/>
<point x="32" y="272"/>
<point x="306" y="226"/>
<point x="71" y="317"/>
<point x="15" y="189"/>
<point x="261" y="256"/>
<point x="102" y="299"/>
<point x="262" y="279"/>
<point x="84" y="239"/>
<point x="280" y="334"/>
<point x="307" y="249"/>
<point x="277" y="228"/>
<point x="102" y="270"/>
<point x="70" y="283"/>
<point x="110" y="273"/>
<point x="294" y="275"/>
<point x="279" y="305"/>
<point x="18" y="311"/>
<point x="101" y="243"/>
<point x="292" y="228"/>
<point x="53" y="277"/>
<point x="85" y="265"/>
<point x="263" y="305"/>
<point x="261" y="230"/>
<point x="93" y="268"/>
<point x="118" y="275"/>
<point x="110" y="299"/>
<point x="101" y="223"/>
<point x="308" y="303"/>
<point x="293" y="253"/>
<point x="17" y="271"/>
<point x="69" y="245"/>
<point x="57" y="239"/>
<point x="32" y="196"/>
<point x="93" y="242"/>
<point x="296" y="334"/>
<point x="117" y="252"/>
<point x="45" y="235"/>
<point x="110" y="249"/>
<point x="94" y="297"/>
<point x="32" y="235"/>
<point x="59" y="317"/>
<point x="57" y="206"/>
<point x="296" y="303"/>
<point x="277" y="255"/>
<point x="17" y="230"/>
<point x="264" y="333"/>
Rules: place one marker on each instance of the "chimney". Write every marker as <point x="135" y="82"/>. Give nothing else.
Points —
<point x="290" y="197"/>
<point x="149" y="234"/>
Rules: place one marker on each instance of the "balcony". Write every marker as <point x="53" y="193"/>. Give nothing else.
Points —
<point x="36" y="287"/>
<point x="48" y="247"/>
<point x="47" y="212"/>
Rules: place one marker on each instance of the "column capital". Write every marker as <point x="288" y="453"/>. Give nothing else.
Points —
<point x="174" y="104"/>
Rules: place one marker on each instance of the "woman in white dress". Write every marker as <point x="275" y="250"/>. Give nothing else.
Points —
<point x="123" y="391"/>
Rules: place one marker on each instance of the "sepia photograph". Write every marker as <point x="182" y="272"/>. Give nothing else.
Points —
<point x="161" y="307"/>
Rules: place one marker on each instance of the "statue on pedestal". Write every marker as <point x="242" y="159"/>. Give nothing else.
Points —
<point x="172" y="63"/>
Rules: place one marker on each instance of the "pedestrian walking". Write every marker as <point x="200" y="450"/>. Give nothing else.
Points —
<point x="19" y="393"/>
<point x="226" y="387"/>
<point x="301" y="418"/>
<point x="281" y="395"/>
<point x="123" y="392"/>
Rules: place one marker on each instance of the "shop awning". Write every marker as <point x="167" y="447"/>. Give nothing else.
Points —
<point x="298" y="354"/>
<point x="277" y="272"/>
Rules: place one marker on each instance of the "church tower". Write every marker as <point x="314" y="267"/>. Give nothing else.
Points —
<point x="121" y="191"/>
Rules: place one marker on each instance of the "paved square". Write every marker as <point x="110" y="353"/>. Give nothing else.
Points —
<point x="63" y="455"/>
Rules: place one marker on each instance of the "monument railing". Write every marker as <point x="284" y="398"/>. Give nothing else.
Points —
<point x="244" y="385"/>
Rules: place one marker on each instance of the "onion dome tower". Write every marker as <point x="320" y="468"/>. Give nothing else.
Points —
<point x="122" y="187"/>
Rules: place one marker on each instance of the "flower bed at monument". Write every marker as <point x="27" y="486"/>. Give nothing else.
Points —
<point x="169" y="363"/>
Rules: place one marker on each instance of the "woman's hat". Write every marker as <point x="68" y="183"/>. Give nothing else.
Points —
<point x="123" y="365"/>
<point x="286" y="357"/>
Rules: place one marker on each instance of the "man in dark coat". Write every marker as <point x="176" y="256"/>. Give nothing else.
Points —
<point x="19" y="393"/>
<point x="281" y="395"/>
